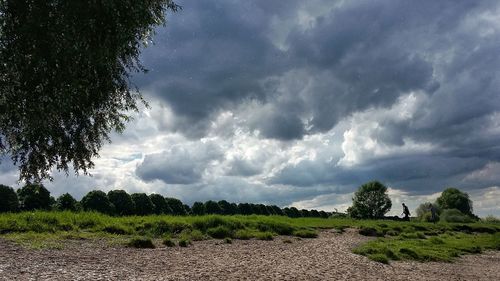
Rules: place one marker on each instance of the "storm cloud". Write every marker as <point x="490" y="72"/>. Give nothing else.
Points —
<point x="300" y="102"/>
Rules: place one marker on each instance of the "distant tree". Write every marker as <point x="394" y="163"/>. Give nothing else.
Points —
<point x="143" y="204"/>
<point x="424" y="211"/>
<point x="34" y="197"/>
<point x="160" y="204"/>
<point x="452" y="198"/>
<point x="98" y="201"/>
<point x="121" y="200"/>
<point x="225" y="207"/>
<point x="262" y="210"/>
<point x="315" y="213"/>
<point x="187" y="209"/>
<point x="198" y="209"/>
<point x="211" y="207"/>
<point x="370" y="201"/>
<point x="8" y="199"/>
<point x="66" y="202"/>
<point x="245" y="209"/>
<point x="292" y="212"/>
<point x="177" y="206"/>
<point x="65" y="77"/>
<point x="305" y="213"/>
<point x="323" y="214"/>
<point x="277" y="210"/>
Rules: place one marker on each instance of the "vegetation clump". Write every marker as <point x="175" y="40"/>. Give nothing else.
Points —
<point x="305" y="233"/>
<point x="141" y="242"/>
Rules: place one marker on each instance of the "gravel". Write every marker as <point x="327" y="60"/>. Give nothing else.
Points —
<point x="327" y="257"/>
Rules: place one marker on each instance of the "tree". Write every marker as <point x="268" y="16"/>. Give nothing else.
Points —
<point x="8" y="199"/>
<point x="452" y="198"/>
<point x="65" y="77"/>
<point x="34" y="197"/>
<point x="211" y="207"/>
<point x="370" y="201"/>
<point x="121" y="200"/>
<point x="98" y="201"/>
<point x="176" y="206"/>
<point x="424" y="212"/>
<point x="160" y="205"/>
<point x="198" y="209"/>
<point x="143" y="204"/>
<point x="66" y="202"/>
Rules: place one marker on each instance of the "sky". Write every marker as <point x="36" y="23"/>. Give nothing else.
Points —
<point x="298" y="103"/>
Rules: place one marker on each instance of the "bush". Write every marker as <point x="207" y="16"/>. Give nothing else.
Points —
<point x="66" y="202"/>
<point x="452" y="198"/>
<point x="141" y="242"/>
<point x="124" y="206"/>
<point x="454" y="215"/>
<point x="228" y="240"/>
<point x="34" y="197"/>
<point x="116" y="229"/>
<point x="491" y="219"/>
<point x="219" y="232"/>
<point x="8" y="199"/>
<point x="305" y="233"/>
<point x="370" y="231"/>
<point x="97" y="200"/>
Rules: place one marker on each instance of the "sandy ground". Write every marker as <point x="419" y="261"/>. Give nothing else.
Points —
<point x="325" y="258"/>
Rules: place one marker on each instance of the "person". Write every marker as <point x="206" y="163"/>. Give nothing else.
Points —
<point x="406" y="213"/>
<point x="433" y="213"/>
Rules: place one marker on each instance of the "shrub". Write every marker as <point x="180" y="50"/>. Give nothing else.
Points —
<point x="8" y="199"/>
<point x="454" y="215"/>
<point x="122" y="201"/>
<point x="197" y="235"/>
<point x="452" y="198"/>
<point x="305" y="233"/>
<point x="66" y="202"/>
<point x="34" y="197"/>
<point x="183" y="242"/>
<point x="97" y="200"/>
<point x="141" y="242"/>
<point x="219" y="232"/>
<point x="228" y="240"/>
<point x="116" y="229"/>
<point x="379" y="258"/>
<point x="266" y="235"/>
<point x="491" y="219"/>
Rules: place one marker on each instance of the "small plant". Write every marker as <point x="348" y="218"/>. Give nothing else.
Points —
<point x="197" y="235"/>
<point x="305" y="233"/>
<point x="183" y="242"/>
<point x="379" y="258"/>
<point x="167" y="241"/>
<point x="266" y="235"/>
<point x="141" y="242"/>
<point x="370" y="231"/>
<point x="228" y="240"/>
<point x="287" y="241"/>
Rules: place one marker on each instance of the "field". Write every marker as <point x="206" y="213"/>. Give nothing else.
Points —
<point x="395" y="240"/>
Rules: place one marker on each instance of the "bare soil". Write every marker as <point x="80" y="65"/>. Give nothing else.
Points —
<point x="325" y="258"/>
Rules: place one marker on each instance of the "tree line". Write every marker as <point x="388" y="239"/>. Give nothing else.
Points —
<point x="119" y="203"/>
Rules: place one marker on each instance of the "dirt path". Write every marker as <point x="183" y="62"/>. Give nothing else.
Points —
<point x="325" y="258"/>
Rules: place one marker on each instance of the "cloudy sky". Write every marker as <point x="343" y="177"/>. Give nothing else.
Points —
<point x="297" y="103"/>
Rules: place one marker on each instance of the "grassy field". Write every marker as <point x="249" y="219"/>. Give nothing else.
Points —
<point x="396" y="240"/>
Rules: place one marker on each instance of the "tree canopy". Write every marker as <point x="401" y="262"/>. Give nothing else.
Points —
<point x="452" y="198"/>
<point x="370" y="201"/>
<point x="34" y="197"/>
<point x="65" y="77"/>
<point x="8" y="199"/>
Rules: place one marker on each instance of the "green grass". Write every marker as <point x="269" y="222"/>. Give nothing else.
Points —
<point x="141" y="242"/>
<point x="395" y="240"/>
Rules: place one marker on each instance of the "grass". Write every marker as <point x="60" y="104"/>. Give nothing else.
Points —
<point x="141" y="242"/>
<point x="395" y="240"/>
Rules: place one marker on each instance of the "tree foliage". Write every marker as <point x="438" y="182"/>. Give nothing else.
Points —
<point x="160" y="205"/>
<point x="143" y="204"/>
<point x="65" y="77"/>
<point x="34" y="197"/>
<point x="370" y="201"/>
<point x="452" y="198"/>
<point x="66" y="202"/>
<point x="8" y="199"/>
<point x="124" y="206"/>
<point x="176" y="206"/>
<point x="98" y="201"/>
